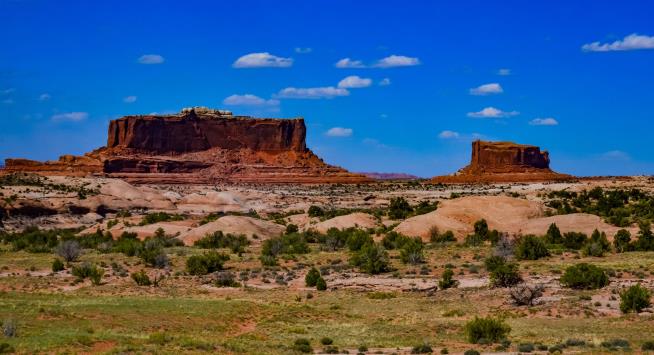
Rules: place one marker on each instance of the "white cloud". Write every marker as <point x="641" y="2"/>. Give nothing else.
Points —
<point x="615" y="155"/>
<point x="339" y="132"/>
<point x="311" y="93"/>
<point x="151" y="59"/>
<point x="354" y="82"/>
<point x="397" y="61"/>
<point x="504" y="72"/>
<point x="7" y="91"/>
<point x="303" y="50"/>
<point x="70" y="117"/>
<point x="492" y="112"/>
<point x="129" y="99"/>
<point x="249" y="100"/>
<point x="549" y="121"/>
<point x="631" y="42"/>
<point x="385" y="82"/>
<point x="448" y="134"/>
<point x="8" y="101"/>
<point x="262" y="60"/>
<point x="349" y="63"/>
<point x="44" y="97"/>
<point x="487" y="89"/>
<point x="383" y="115"/>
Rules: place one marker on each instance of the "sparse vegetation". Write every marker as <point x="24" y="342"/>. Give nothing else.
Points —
<point x="635" y="299"/>
<point x="486" y="330"/>
<point x="584" y="276"/>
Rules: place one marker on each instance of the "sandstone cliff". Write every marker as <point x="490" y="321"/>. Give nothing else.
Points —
<point x="504" y="162"/>
<point x="199" y="145"/>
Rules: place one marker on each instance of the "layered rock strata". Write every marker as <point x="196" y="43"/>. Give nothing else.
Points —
<point x="199" y="145"/>
<point x="504" y="162"/>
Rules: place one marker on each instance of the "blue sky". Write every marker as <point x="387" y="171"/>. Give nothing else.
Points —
<point x="425" y="78"/>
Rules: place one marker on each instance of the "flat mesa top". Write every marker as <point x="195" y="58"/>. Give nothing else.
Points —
<point x="202" y="112"/>
<point x="506" y="144"/>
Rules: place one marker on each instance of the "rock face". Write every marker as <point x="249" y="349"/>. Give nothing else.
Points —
<point x="504" y="162"/>
<point x="199" y="145"/>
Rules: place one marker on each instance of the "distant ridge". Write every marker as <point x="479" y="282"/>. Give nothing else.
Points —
<point x="389" y="176"/>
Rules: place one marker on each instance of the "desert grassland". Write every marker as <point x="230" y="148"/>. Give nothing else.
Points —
<point x="182" y="315"/>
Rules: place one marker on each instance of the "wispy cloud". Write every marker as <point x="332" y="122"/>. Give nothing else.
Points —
<point x="249" y="100"/>
<point x="262" y="60"/>
<point x="448" y="134"/>
<point x="628" y="43"/>
<point x="311" y="93"/>
<point x="129" y="99"/>
<point x="492" y="112"/>
<point x="385" y="82"/>
<point x="397" y="61"/>
<point x="70" y="117"/>
<point x="504" y="72"/>
<point x="487" y="89"/>
<point x="354" y="82"/>
<point x="8" y="101"/>
<point x="7" y="91"/>
<point x="304" y="50"/>
<point x="374" y="143"/>
<point x="349" y="63"/>
<point x="151" y="59"/>
<point x="44" y="97"/>
<point x="615" y="155"/>
<point x="339" y="132"/>
<point x="549" y="121"/>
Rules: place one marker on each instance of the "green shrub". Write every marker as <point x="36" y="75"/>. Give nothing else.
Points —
<point x="574" y="240"/>
<point x="648" y="346"/>
<point x="412" y="251"/>
<point x="157" y="217"/>
<point x="446" y="237"/>
<point x="447" y="281"/>
<point x="226" y="279"/>
<point x="321" y="285"/>
<point x="302" y="345"/>
<point x="493" y="262"/>
<point x="615" y="344"/>
<point x="206" y="263"/>
<point x="394" y="240"/>
<point x="645" y="241"/>
<point x="635" y="299"/>
<point x="141" y="278"/>
<point x="526" y="347"/>
<point x="57" y="265"/>
<point x="88" y="270"/>
<point x="315" y="211"/>
<point x="312" y="277"/>
<point x="399" y="208"/>
<point x="487" y="329"/>
<point x="471" y="352"/>
<point x="531" y="247"/>
<point x="357" y="239"/>
<point x="291" y="228"/>
<point x="371" y="259"/>
<point x="6" y="348"/>
<point x="422" y="349"/>
<point x="216" y="240"/>
<point x="294" y="243"/>
<point x="326" y="341"/>
<point x="553" y="235"/>
<point x="622" y="241"/>
<point x="505" y="274"/>
<point x="597" y="245"/>
<point x="584" y="276"/>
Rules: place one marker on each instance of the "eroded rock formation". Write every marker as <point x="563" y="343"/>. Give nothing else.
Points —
<point x="199" y="145"/>
<point x="504" y="162"/>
